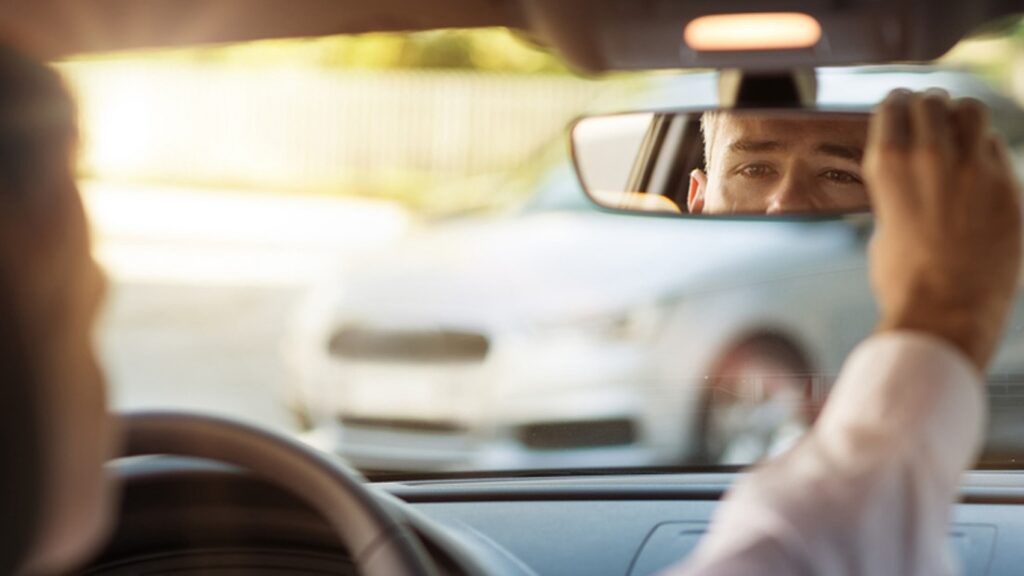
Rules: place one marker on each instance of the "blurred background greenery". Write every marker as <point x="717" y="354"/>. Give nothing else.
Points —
<point x="384" y="116"/>
<point x="497" y="50"/>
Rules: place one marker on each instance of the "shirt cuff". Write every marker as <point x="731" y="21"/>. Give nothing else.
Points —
<point x="912" y="391"/>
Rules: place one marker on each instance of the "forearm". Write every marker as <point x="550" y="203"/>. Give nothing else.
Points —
<point x="868" y="491"/>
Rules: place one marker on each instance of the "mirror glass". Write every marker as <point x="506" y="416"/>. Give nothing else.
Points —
<point x="724" y="162"/>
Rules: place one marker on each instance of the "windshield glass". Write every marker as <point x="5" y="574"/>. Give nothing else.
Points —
<point x="268" y="216"/>
<point x="558" y="189"/>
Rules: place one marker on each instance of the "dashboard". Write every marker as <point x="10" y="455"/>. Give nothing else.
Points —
<point x="189" y="516"/>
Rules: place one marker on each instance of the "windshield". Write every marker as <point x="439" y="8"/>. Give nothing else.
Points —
<point x="267" y="215"/>
<point x="558" y="189"/>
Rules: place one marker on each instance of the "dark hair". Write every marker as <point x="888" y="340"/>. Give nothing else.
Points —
<point x="37" y="134"/>
<point x="37" y="122"/>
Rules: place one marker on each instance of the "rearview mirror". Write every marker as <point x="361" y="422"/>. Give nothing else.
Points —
<point x="752" y="163"/>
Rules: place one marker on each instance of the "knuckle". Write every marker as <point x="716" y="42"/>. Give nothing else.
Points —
<point x="885" y="159"/>
<point x="931" y="102"/>
<point x="930" y="154"/>
<point x="896" y="97"/>
<point x="971" y="105"/>
<point x="940" y="94"/>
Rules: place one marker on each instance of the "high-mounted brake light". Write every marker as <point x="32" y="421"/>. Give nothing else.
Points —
<point x="753" y="31"/>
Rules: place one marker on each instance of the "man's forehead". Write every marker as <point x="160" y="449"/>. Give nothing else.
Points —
<point x="843" y="129"/>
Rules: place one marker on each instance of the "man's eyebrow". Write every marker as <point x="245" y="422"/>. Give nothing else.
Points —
<point x="854" y="153"/>
<point x="756" y="146"/>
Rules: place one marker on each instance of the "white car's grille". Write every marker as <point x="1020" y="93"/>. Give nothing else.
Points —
<point x="408" y="346"/>
<point x="403" y="424"/>
<point x="581" y="434"/>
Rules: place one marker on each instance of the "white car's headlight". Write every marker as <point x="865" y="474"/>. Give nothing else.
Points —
<point x="641" y="324"/>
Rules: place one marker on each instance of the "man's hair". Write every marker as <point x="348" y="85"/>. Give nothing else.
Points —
<point x="37" y="137"/>
<point x="708" y="124"/>
<point x="38" y="125"/>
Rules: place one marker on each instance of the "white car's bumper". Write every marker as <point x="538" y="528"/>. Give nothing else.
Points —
<point x="526" y="407"/>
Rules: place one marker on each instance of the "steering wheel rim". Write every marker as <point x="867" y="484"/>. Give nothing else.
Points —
<point x="380" y="542"/>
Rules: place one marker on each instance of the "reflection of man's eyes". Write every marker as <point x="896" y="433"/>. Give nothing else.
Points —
<point x="841" y="177"/>
<point x="762" y="171"/>
<point x="756" y="171"/>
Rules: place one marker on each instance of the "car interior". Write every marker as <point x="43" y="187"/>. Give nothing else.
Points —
<point x="200" y="494"/>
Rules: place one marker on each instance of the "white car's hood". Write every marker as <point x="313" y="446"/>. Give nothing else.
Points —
<point x="563" y="266"/>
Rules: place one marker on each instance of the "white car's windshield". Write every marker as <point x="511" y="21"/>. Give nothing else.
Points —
<point x="268" y="215"/>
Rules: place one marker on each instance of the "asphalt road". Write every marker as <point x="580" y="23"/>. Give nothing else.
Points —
<point x="204" y="284"/>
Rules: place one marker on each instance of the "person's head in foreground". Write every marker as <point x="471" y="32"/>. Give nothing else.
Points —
<point x="759" y="163"/>
<point x="56" y="432"/>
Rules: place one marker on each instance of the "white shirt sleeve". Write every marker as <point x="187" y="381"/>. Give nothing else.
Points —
<point x="869" y="489"/>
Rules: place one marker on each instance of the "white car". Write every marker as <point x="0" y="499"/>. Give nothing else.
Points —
<point x="565" y="336"/>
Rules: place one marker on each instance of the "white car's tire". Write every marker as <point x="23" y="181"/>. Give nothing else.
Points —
<point x="757" y="402"/>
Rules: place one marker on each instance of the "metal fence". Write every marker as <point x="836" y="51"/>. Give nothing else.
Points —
<point x="287" y="127"/>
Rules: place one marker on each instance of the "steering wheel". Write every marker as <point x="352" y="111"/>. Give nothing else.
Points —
<point x="380" y="543"/>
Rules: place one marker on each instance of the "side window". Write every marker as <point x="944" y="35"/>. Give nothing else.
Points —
<point x="613" y="153"/>
<point x="641" y="159"/>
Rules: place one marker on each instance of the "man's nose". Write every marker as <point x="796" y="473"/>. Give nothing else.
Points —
<point x="791" y="195"/>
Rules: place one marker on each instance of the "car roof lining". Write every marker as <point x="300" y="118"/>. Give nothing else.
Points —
<point x="592" y="35"/>
<point x="58" y="28"/>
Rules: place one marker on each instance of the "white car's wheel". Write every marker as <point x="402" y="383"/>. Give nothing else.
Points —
<point x="757" y="402"/>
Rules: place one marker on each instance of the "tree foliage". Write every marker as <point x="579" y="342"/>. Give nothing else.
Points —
<point x="490" y="50"/>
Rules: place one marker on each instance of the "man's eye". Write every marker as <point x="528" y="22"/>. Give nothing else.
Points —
<point x="756" y="171"/>
<point x="841" y="177"/>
